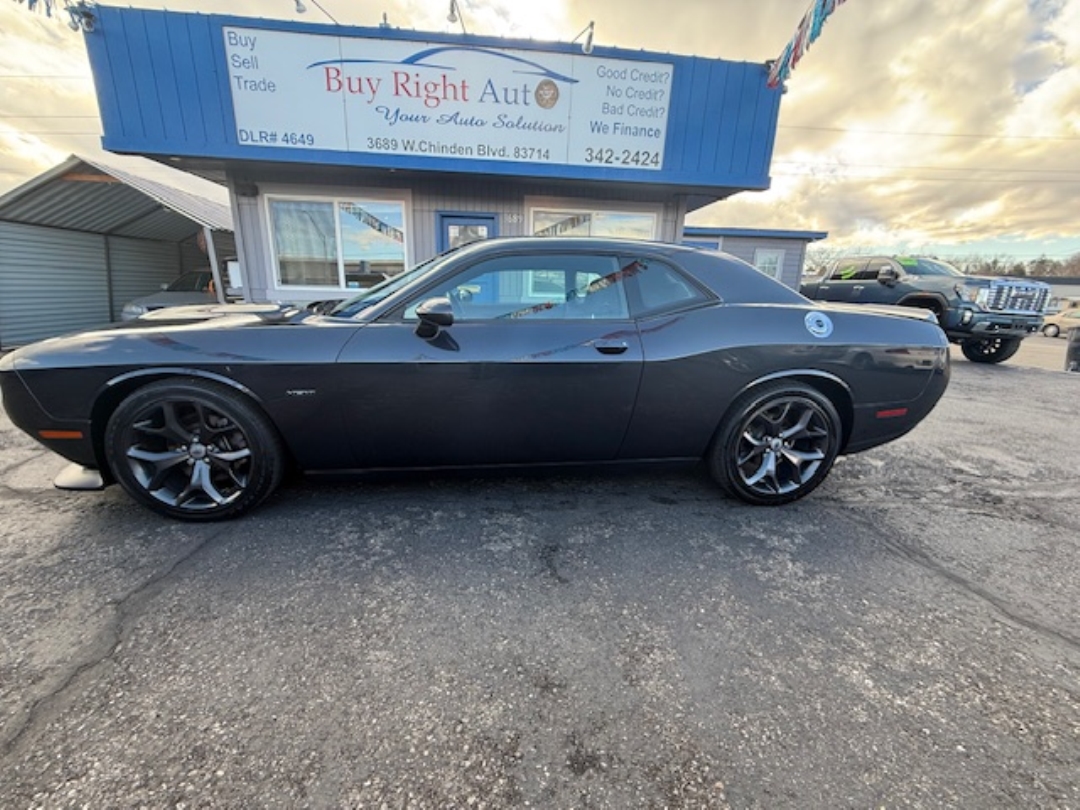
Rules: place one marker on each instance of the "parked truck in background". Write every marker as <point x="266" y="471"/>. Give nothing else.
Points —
<point x="987" y="316"/>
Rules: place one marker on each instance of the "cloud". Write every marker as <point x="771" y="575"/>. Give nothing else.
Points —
<point x="938" y="122"/>
<point x="46" y="95"/>
<point x="950" y="121"/>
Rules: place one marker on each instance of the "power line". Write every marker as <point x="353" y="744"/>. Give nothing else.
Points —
<point x="44" y="76"/>
<point x="14" y="115"/>
<point x="986" y="135"/>
<point x="921" y="168"/>
<point x="1002" y="182"/>
<point x="57" y="132"/>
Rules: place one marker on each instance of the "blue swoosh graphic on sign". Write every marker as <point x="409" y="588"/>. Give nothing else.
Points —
<point x="416" y="61"/>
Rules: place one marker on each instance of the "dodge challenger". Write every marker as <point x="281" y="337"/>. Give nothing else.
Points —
<point x="508" y="353"/>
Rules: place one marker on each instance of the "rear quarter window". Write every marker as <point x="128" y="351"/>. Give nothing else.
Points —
<point x="661" y="287"/>
<point x="735" y="281"/>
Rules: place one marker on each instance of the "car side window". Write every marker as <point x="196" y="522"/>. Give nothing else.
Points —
<point x="873" y="267"/>
<point x="847" y="269"/>
<point x="661" y="286"/>
<point x="535" y="287"/>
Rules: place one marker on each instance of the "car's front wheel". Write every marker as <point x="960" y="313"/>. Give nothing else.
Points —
<point x="777" y="444"/>
<point x="990" y="350"/>
<point x="193" y="450"/>
<point x="1051" y="330"/>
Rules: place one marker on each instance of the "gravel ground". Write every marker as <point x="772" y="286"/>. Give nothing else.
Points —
<point x="906" y="637"/>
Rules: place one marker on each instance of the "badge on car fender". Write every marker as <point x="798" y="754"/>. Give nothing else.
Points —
<point x="818" y="324"/>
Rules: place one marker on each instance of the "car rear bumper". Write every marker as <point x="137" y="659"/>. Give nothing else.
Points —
<point x="882" y="422"/>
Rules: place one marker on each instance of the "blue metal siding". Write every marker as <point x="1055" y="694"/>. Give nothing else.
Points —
<point x="678" y="133"/>
<point x="172" y="55"/>
<point x="163" y="89"/>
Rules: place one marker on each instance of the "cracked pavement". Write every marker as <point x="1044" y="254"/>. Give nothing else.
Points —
<point x="907" y="636"/>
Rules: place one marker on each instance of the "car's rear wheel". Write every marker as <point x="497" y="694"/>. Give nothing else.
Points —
<point x="777" y="444"/>
<point x="1051" y="330"/>
<point x="193" y="450"/>
<point x="990" y="350"/>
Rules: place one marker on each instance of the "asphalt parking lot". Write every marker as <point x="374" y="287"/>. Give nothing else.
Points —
<point x="908" y="636"/>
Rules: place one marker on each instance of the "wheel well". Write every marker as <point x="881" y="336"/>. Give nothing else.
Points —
<point x="834" y="390"/>
<point x="840" y="397"/>
<point x="923" y="302"/>
<point x="111" y="398"/>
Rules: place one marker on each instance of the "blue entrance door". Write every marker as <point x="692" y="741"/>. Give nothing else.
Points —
<point x="459" y="229"/>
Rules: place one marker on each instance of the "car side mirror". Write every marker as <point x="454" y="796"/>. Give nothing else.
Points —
<point x="434" y="314"/>
<point x="888" y="276"/>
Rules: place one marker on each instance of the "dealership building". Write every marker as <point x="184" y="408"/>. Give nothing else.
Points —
<point x="353" y="152"/>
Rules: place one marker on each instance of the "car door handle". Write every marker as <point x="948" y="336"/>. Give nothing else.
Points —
<point x="858" y="288"/>
<point x="610" y="346"/>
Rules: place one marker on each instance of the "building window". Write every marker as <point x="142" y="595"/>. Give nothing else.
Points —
<point x="583" y="222"/>
<point x="345" y="244"/>
<point x="769" y="262"/>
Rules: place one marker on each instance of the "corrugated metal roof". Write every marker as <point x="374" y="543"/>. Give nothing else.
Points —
<point x="88" y="195"/>
<point x="753" y="233"/>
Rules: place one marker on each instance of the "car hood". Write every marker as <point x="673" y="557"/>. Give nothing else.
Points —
<point x="174" y="326"/>
<point x="213" y="310"/>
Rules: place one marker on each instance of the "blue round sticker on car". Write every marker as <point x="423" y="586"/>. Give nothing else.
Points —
<point x="818" y="324"/>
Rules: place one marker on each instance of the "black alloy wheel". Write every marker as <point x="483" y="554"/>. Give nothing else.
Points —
<point x="777" y="445"/>
<point x="990" y="350"/>
<point x="193" y="450"/>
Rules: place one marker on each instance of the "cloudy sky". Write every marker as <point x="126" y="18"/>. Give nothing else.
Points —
<point x="943" y="126"/>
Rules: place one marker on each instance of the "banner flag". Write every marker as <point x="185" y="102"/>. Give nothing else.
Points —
<point x="373" y="222"/>
<point x="808" y="31"/>
<point x="46" y="5"/>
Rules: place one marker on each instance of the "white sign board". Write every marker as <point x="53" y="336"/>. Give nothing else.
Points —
<point x="308" y="91"/>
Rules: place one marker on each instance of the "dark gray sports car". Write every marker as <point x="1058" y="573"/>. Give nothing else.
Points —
<point x="513" y="352"/>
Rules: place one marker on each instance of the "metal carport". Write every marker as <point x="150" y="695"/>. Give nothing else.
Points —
<point x="83" y="238"/>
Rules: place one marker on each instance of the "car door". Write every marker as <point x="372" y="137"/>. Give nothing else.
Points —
<point x="867" y="289"/>
<point x="841" y="283"/>
<point x="541" y="364"/>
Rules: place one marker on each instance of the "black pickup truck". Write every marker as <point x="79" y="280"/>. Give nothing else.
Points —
<point x="987" y="316"/>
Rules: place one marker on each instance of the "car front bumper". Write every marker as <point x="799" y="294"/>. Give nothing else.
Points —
<point x="67" y="437"/>
<point x="981" y="325"/>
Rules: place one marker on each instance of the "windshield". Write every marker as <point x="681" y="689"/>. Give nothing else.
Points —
<point x="928" y="267"/>
<point x="190" y="282"/>
<point x="382" y="290"/>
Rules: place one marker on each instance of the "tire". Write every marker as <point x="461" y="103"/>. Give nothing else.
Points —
<point x="193" y="450"/>
<point x="1051" y="330"/>
<point x="990" y="350"/>
<point x="776" y="445"/>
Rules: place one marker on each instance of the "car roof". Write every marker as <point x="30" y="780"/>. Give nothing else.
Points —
<point x="549" y="244"/>
<point x="728" y="277"/>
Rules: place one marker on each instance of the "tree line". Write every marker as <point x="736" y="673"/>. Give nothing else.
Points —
<point x="972" y="265"/>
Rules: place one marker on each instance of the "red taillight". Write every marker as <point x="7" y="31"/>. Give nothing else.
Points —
<point x="892" y="413"/>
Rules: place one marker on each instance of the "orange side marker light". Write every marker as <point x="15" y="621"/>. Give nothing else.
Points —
<point x="60" y="434"/>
